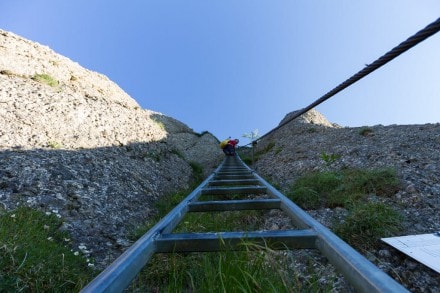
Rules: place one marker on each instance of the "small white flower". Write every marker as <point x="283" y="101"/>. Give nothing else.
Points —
<point x="66" y="239"/>
<point x="13" y="216"/>
<point x="49" y="238"/>
<point x="76" y="253"/>
<point x="59" y="216"/>
<point x="82" y="247"/>
<point x="48" y="213"/>
<point x="90" y="265"/>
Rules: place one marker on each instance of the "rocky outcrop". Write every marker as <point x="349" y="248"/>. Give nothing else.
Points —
<point x="310" y="117"/>
<point x="75" y="144"/>
<point x="412" y="150"/>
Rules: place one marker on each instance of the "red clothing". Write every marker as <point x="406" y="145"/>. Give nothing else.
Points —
<point x="233" y="142"/>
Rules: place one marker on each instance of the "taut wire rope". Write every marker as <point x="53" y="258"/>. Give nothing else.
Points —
<point x="420" y="36"/>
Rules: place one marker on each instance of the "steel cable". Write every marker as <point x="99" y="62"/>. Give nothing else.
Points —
<point x="420" y="36"/>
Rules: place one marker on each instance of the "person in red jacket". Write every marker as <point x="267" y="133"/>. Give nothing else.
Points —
<point x="229" y="149"/>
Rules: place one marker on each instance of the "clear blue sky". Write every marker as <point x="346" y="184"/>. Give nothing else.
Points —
<point x="233" y="66"/>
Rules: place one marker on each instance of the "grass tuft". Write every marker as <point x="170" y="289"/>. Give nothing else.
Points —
<point x="367" y="223"/>
<point x="365" y="131"/>
<point x="197" y="171"/>
<point x="342" y="188"/>
<point x="255" y="269"/>
<point x="46" y="79"/>
<point x="35" y="257"/>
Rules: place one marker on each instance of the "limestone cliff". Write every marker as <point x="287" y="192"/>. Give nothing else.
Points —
<point x="72" y="142"/>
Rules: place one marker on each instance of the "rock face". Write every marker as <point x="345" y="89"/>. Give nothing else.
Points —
<point x="83" y="149"/>
<point x="412" y="150"/>
<point x="310" y="117"/>
<point x="73" y="143"/>
<point x="83" y="110"/>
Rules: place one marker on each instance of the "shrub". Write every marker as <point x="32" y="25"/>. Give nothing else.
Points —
<point x="329" y="158"/>
<point x="365" y="131"/>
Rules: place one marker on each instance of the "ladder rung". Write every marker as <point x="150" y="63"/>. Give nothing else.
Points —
<point x="235" y="205"/>
<point x="222" y="173"/>
<point x="223" y="177"/>
<point x="235" y="190"/>
<point x="234" y="182"/>
<point x="204" y="242"/>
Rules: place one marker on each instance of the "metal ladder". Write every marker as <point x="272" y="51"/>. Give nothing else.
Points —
<point x="233" y="177"/>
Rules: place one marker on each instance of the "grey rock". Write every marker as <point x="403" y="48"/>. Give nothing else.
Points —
<point x="86" y="149"/>
<point x="412" y="150"/>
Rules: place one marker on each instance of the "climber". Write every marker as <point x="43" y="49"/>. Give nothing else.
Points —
<point x="228" y="146"/>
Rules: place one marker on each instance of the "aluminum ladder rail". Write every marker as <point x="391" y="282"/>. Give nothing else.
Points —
<point x="234" y="177"/>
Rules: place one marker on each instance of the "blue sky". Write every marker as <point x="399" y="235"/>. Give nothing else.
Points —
<point x="233" y="66"/>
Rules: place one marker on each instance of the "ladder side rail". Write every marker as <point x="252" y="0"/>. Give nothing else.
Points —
<point x="118" y="275"/>
<point x="360" y="272"/>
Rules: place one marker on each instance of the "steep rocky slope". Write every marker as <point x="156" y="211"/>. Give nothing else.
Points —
<point x="83" y="149"/>
<point x="73" y="143"/>
<point x="412" y="150"/>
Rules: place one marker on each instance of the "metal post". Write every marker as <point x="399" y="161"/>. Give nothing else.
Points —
<point x="254" y="144"/>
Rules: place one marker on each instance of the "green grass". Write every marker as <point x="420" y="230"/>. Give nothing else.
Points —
<point x="365" y="131"/>
<point x="329" y="158"/>
<point x="258" y="268"/>
<point x="247" y="160"/>
<point x="46" y="79"/>
<point x="35" y="255"/>
<point x="221" y="221"/>
<point x="268" y="148"/>
<point x="177" y="153"/>
<point x="367" y="223"/>
<point x="54" y="145"/>
<point x="342" y="188"/>
<point x="255" y="269"/>
<point x="197" y="171"/>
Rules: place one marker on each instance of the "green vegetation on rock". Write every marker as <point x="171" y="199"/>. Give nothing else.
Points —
<point x="35" y="256"/>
